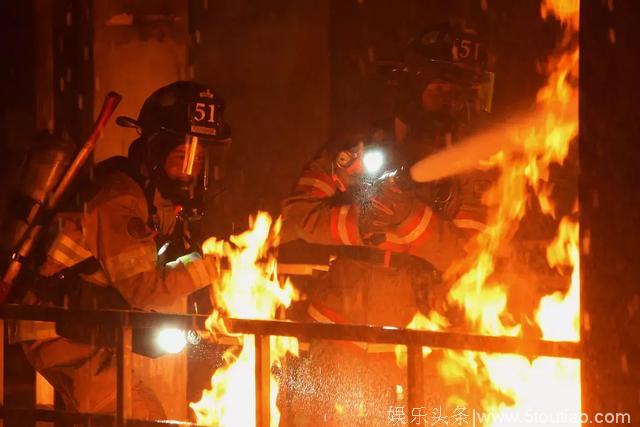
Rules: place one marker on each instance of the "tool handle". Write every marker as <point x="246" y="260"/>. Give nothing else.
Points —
<point x="15" y="265"/>
<point x="108" y="107"/>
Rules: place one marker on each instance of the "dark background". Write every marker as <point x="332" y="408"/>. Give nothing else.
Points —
<point x="295" y="74"/>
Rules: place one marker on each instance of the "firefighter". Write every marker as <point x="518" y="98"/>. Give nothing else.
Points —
<point x="113" y="252"/>
<point x="446" y="92"/>
<point x="391" y="241"/>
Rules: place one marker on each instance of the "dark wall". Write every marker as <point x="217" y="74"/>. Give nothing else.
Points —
<point x="299" y="73"/>
<point x="17" y="71"/>
<point x="367" y="37"/>
<point x="270" y="60"/>
<point x="17" y="91"/>
<point x="17" y="123"/>
<point x="610" y="206"/>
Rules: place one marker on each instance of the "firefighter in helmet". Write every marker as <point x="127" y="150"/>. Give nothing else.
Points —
<point x="113" y="252"/>
<point x="390" y="240"/>
<point x="446" y="93"/>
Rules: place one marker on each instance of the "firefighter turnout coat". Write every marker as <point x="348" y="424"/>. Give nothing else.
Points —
<point x="114" y="230"/>
<point x="358" y="290"/>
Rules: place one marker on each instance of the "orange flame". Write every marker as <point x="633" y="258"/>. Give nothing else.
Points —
<point x="543" y="385"/>
<point x="558" y="314"/>
<point x="248" y="288"/>
<point x="434" y="322"/>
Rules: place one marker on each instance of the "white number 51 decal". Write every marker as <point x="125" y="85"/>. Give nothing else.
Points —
<point x="201" y="112"/>
<point x="465" y="49"/>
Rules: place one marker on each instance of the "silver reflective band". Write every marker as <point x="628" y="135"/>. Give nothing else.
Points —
<point x="163" y="249"/>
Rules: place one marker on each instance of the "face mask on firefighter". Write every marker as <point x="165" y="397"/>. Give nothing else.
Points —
<point x="459" y="99"/>
<point x="184" y="171"/>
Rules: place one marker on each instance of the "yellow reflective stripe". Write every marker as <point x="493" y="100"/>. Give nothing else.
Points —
<point x="67" y="252"/>
<point x="134" y="261"/>
<point x="415" y="233"/>
<point x="369" y="347"/>
<point x="98" y="278"/>
<point x="28" y="330"/>
<point x="318" y="184"/>
<point x="342" y="224"/>
<point x="190" y="257"/>
<point x="301" y="269"/>
<point x="469" y="224"/>
<point x="198" y="272"/>
<point x="317" y="316"/>
<point x="78" y="249"/>
<point x="321" y="318"/>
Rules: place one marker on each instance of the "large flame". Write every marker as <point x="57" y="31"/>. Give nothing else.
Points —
<point x="514" y="385"/>
<point x="247" y="288"/>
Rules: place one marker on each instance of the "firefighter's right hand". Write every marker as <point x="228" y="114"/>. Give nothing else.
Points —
<point x="387" y="208"/>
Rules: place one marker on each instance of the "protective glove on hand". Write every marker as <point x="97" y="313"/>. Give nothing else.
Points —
<point x="442" y="196"/>
<point x="388" y="207"/>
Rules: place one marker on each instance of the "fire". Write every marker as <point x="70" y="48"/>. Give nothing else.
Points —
<point x="248" y="288"/>
<point x="512" y="385"/>
<point x="434" y="322"/>
<point x="558" y="315"/>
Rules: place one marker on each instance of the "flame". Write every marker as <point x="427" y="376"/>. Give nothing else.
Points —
<point x="558" y="314"/>
<point x="434" y="322"/>
<point x="247" y="288"/>
<point x="509" y="384"/>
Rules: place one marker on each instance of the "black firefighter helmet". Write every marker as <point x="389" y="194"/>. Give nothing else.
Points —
<point x="186" y="114"/>
<point x="449" y="54"/>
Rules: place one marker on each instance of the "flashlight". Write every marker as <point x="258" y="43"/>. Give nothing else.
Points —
<point x="373" y="161"/>
<point x="171" y="340"/>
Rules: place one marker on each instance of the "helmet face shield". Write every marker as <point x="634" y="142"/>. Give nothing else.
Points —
<point x="201" y="164"/>
<point x="451" y="55"/>
<point x="179" y="125"/>
<point x="194" y="156"/>
<point x="477" y="84"/>
<point x="484" y="91"/>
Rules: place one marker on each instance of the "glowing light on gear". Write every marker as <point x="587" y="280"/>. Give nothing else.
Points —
<point x="171" y="340"/>
<point x="373" y="161"/>
<point x="163" y="249"/>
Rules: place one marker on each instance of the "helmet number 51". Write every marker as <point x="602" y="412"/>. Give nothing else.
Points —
<point x="201" y="112"/>
<point x="465" y="49"/>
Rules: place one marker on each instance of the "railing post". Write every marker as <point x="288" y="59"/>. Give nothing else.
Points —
<point x="2" y="360"/>
<point x="123" y="375"/>
<point x="263" y="380"/>
<point x="415" y="378"/>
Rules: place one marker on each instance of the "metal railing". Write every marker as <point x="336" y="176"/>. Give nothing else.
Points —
<point x="124" y="321"/>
